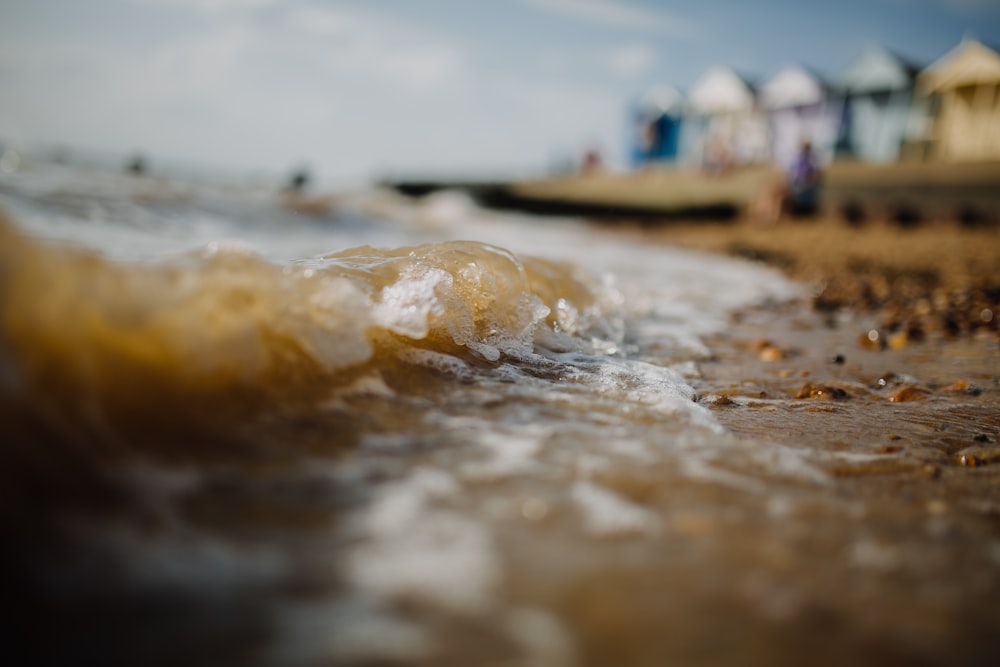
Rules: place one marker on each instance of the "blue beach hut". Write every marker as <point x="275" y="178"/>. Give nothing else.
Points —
<point x="878" y="112"/>
<point x="656" y="126"/>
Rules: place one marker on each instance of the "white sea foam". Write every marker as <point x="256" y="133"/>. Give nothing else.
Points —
<point x="412" y="548"/>
<point x="606" y="514"/>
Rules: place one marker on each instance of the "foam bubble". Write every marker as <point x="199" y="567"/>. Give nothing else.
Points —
<point x="606" y="514"/>
<point x="414" y="549"/>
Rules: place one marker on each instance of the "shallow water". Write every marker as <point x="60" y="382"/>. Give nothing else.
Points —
<point x="420" y="433"/>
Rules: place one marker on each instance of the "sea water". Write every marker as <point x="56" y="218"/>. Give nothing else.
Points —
<point x="394" y="432"/>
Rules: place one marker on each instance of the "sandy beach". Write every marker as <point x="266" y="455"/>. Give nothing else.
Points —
<point x="934" y="277"/>
<point x="898" y="352"/>
<point x="893" y="315"/>
<point x="892" y="370"/>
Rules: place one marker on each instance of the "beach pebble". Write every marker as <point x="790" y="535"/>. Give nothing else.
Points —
<point x="909" y="393"/>
<point x="815" y="390"/>
<point x="892" y="380"/>
<point x="964" y="387"/>
<point x="968" y="460"/>
<point x="718" y="400"/>
<point x="767" y="350"/>
<point x="899" y="340"/>
<point x="977" y="455"/>
<point x="872" y="340"/>
<point x="771" y="353"/>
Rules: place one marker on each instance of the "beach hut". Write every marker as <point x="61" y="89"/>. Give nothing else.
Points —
<point x="878" y="111"/>
<point x="963" y="86"/>
<point x="800" y="109"/>
<point x="656" y="125"/>
<point x="723" y="124"/>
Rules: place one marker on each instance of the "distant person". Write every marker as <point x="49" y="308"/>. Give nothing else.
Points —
<point x="649" y="140"/>
<point x="299" y="181"/>
<point x="804" y="183"/>
<point x="795" y="193"/>
<point x="591" y="161"/>
<point x="137" y="166"/>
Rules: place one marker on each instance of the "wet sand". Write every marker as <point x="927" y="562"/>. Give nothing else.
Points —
<point x="893" y="370"/>
<point x="895" y="317"/>
<point x="924" y="272"/>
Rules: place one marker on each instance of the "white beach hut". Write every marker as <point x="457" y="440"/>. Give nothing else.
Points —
<point x="800" y="109"/>
<point x="878" y="112"/>
<point x="723" y="122"/>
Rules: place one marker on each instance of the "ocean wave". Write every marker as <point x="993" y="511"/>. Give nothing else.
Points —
<point x="106" y="335"/>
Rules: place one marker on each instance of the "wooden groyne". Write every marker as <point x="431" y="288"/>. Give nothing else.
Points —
<point x="906" y="193"/>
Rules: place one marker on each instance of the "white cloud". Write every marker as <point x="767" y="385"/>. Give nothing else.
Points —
<point x="324" y="22"/>
<point x="196" y="65"/>
<point x="210" y="6"/>
<point x="631" y="59"/>
<point x="615" y="13"/>
<point x="356" y="93"/>
<point x="359" y="46"/>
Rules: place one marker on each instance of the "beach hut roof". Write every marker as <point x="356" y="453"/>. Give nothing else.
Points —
<point x="661" y="100"/>
<point x="792" y="86"/>
<point x="721" y="89"/>
<point x="969" y="63"/>
<point x="877" y="69"/>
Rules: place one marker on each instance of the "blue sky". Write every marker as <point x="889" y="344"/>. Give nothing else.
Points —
<point x="360" y="89"/>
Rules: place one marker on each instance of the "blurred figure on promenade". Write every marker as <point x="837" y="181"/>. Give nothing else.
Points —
<point x="796" y="193"/>
<point x="592" y="162"/>
<point x="137" y="165"/>
<point x="298" y="181"/>
<point x="803" y="183"/>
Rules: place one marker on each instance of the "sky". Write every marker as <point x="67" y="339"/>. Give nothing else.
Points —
<point x="357" y="90"/>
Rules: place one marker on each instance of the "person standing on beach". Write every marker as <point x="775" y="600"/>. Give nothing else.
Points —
<point x="804" y="182"/>
<point x="796" y="192"/>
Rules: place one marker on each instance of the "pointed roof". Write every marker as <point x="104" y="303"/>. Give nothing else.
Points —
<point x="661" y="100"/>
<point x="969" y="63"/>
<point x="721" y="89"/>
<point x="793" y="86"/>
<point x="877" y="69"/>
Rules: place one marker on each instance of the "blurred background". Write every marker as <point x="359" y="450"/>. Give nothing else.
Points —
<point x="354" y="91"/>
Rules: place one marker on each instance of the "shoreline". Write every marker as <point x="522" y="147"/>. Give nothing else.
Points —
<point x="889" y="554"/>
<point x="917" y="282"/>
<point x="894" y="358"/>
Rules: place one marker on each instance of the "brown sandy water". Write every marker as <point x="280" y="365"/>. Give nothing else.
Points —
<point x="894" y="561"/>
<point x="198" y="472"/>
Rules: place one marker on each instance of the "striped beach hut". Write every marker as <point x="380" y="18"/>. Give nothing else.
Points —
<point x="964" y="86"/>
<point x="723" y="124"/>
<point x="657" y="118"/>
<point x="878" y="110"/>
<point x="800" y="109"/>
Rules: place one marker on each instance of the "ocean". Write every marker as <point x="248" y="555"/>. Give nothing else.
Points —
<point x="390" y="431"/>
